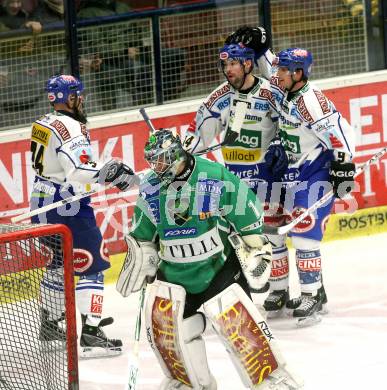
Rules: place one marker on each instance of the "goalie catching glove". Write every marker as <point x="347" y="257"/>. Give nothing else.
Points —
<point x="140" y="266"/>
<point x="254" y="253"/>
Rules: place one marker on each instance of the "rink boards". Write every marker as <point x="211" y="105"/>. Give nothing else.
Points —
<point x="361" y="98"/>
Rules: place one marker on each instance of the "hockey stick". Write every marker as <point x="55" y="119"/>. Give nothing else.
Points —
<point x="133" y="361"/>
<point x="147" y="120"/>
<point x="65" y="201"/>
<point x="240" y="112"/>
<point x="59" y="203"/>
<point x="286" y="228"/>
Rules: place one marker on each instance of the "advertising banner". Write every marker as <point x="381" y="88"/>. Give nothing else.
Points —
<point x="365" y="106"/>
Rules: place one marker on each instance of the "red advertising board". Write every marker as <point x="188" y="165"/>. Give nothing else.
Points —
<point x="365" y="106"/>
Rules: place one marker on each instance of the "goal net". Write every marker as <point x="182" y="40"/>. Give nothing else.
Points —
<point x="29" y="357"/>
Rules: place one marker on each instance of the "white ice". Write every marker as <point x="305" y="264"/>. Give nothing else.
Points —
<point x="346" y="351"/>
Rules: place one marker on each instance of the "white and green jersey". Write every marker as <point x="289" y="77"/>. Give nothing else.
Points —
<point x="215" y="116"/>
<point x="192" y="219"/>
<point x="309" y="125"/>
<point x="308" y="122"/>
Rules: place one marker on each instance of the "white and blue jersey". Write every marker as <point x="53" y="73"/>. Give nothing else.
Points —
<point x="214" y="118"/>
<point x="313" y="132"/>
<point x="64" y="165"/>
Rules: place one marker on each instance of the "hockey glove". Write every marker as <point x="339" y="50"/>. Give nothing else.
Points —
<point x="140" y="266"/>
<point x="256" y="38"/>
<point x="341" y="176"/>
<point x="118" y="173"/>
<point x="255" y="261"/>
<point x="276" y="158"/>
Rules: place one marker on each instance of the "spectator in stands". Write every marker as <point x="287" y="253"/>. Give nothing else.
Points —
<point x="13" y="16"/>
<point x="49" y="11"/>
<point x="117" y="55"/>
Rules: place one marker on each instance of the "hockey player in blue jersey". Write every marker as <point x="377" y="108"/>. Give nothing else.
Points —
<point x="311" y="153"/>
<point x="64" y="165"/>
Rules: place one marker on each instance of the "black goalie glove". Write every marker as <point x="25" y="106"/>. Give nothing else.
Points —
<point x="118" y="173"/>
<point x="341" y="176"/>
<point x="256" y="38"/>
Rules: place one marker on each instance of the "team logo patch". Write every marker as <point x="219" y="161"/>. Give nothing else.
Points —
<point x="300" y="52"/>
<point x="84" y="157"/>
<point x="51" y="97"/>
<point x="305" y="225"/>
<point x="335" y="142"/>
<point x="82" y="259"/>
<point x="96" y="304"/>
<point x="179" y="232"/>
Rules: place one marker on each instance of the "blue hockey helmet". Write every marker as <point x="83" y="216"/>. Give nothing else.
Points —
<point x="295" y="58"/>
<point x="60" y="87"/>
<point x="236" y="51"/>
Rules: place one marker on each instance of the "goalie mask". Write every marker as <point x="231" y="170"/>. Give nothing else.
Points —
<point x="164" y="154"/>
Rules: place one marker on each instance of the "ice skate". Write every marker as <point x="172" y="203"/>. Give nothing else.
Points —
<point x="51" y="334"/>
<point x="94" y="343"/>
<point x="294" y="304"/>
<point x="275" y="303"/>
<point x="307" y="309"/>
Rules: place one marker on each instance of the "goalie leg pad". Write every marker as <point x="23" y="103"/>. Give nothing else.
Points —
<point x="141" y="262"/>
<point x="176" y="342"/>
<point x="246" y="336"/>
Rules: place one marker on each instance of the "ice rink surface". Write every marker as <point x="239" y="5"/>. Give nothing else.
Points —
<point x="346" y="351"/>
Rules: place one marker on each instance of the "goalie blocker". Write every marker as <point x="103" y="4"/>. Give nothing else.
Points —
<point x="179" y="346"/>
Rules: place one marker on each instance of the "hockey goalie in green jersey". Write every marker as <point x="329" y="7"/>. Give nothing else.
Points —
<point x="196" y="229"/>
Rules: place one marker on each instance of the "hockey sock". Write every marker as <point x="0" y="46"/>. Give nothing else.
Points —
<point x="89" y="292"/>
<point x="52" y="294"/>
<point x="279" y="276"/>
<point x="309" y="270"/>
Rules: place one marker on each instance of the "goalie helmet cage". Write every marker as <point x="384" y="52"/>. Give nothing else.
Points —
<point x="26" y="361"/>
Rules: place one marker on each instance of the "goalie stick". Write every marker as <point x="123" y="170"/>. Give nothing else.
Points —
<point x="133" y="360"/>
<point x="147" y="120"/>
<point x="240" y="112"/>
<point x="286" y="228"/>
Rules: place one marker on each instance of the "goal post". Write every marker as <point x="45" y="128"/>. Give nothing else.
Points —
<point x="28" y="361"/>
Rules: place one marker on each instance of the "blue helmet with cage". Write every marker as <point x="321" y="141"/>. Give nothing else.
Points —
<point x="295" y="58"/>
<point x="60" y="87"/>
<point x="236" y="51"/>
